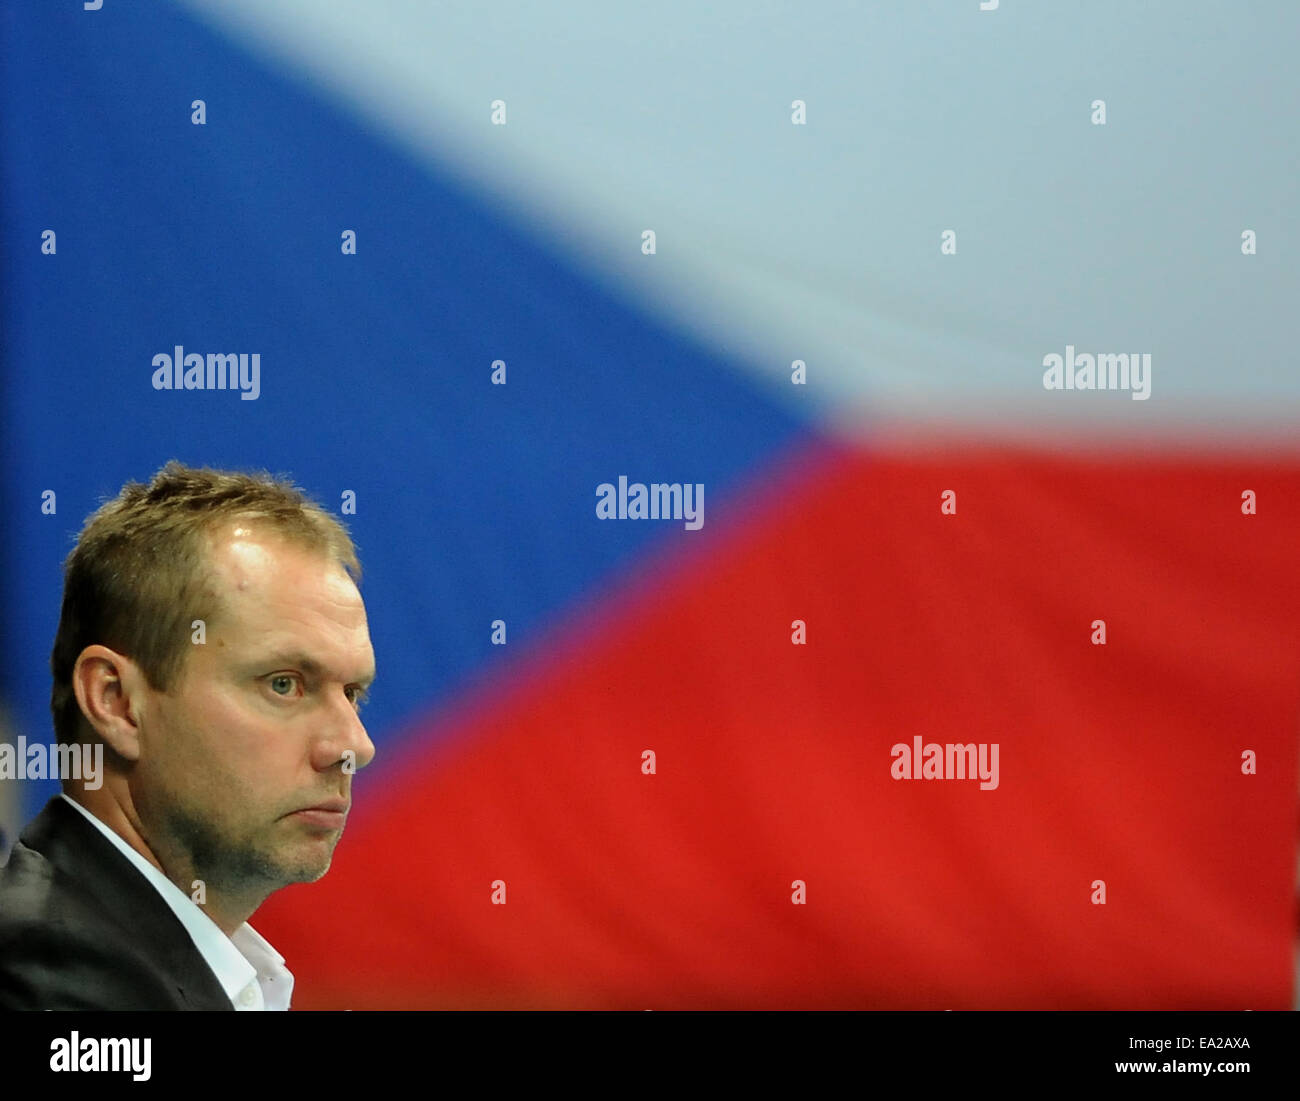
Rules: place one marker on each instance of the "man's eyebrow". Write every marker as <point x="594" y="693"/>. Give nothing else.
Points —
<point x="307" y="665"/>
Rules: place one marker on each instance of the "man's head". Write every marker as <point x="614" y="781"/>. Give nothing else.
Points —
<point x="212" y="636"/>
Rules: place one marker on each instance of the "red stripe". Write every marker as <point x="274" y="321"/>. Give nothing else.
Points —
<point x="1119" y="763"/>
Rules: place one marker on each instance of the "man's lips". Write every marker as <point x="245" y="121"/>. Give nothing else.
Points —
<point x="339" y="805"/>
<point x="330" y="814"/>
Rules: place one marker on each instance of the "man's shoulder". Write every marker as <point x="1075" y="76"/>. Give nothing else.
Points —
<point x="61" y="950"/>
<point x="62" y="872"/>
<point x="80" y="928"/>
<point x="29" y="889"/>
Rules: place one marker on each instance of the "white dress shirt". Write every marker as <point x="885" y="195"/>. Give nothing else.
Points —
<point x="251" y="972"/>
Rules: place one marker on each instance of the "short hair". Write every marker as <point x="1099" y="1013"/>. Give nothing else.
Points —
<point x="140" y="572"/>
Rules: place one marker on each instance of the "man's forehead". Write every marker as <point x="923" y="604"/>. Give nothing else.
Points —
<point x="265" y="580"/>
<point x="240" y="550"/>
<point x="241" y="555"/>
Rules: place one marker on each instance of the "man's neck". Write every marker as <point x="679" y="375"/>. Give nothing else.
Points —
<point x="221" y="905"/>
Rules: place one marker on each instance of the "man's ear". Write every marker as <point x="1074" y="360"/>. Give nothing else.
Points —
<point x="108" y="686"/>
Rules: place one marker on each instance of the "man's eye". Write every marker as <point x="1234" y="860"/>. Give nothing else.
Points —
<point x="284" y="679"/>
<point x="359" y="697"/>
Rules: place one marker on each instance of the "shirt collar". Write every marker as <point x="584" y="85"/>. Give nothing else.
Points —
<point x="250" y="971"/>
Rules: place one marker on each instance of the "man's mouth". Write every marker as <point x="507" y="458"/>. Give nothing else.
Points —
<point x="329" y="815"/>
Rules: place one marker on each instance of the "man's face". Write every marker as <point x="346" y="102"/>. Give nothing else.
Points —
<point x="261" y="721"/>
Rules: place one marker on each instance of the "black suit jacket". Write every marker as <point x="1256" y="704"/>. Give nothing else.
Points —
<point x="81" y="928"/>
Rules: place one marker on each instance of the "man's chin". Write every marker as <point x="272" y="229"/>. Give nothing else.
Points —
<point x="289" y="865"/>
<point x="307" y="857"/>
<point x="308" y="869"/>
<point x="311" y="875"/>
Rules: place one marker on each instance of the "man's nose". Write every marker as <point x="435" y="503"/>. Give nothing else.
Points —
<point x="348" y="743"/>
<point x="363" y="748"/>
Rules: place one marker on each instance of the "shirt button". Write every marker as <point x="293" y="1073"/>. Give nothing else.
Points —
<point x="246" y="996"/>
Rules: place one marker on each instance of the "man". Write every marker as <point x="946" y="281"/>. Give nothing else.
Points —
<point x="213" y="641"/>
